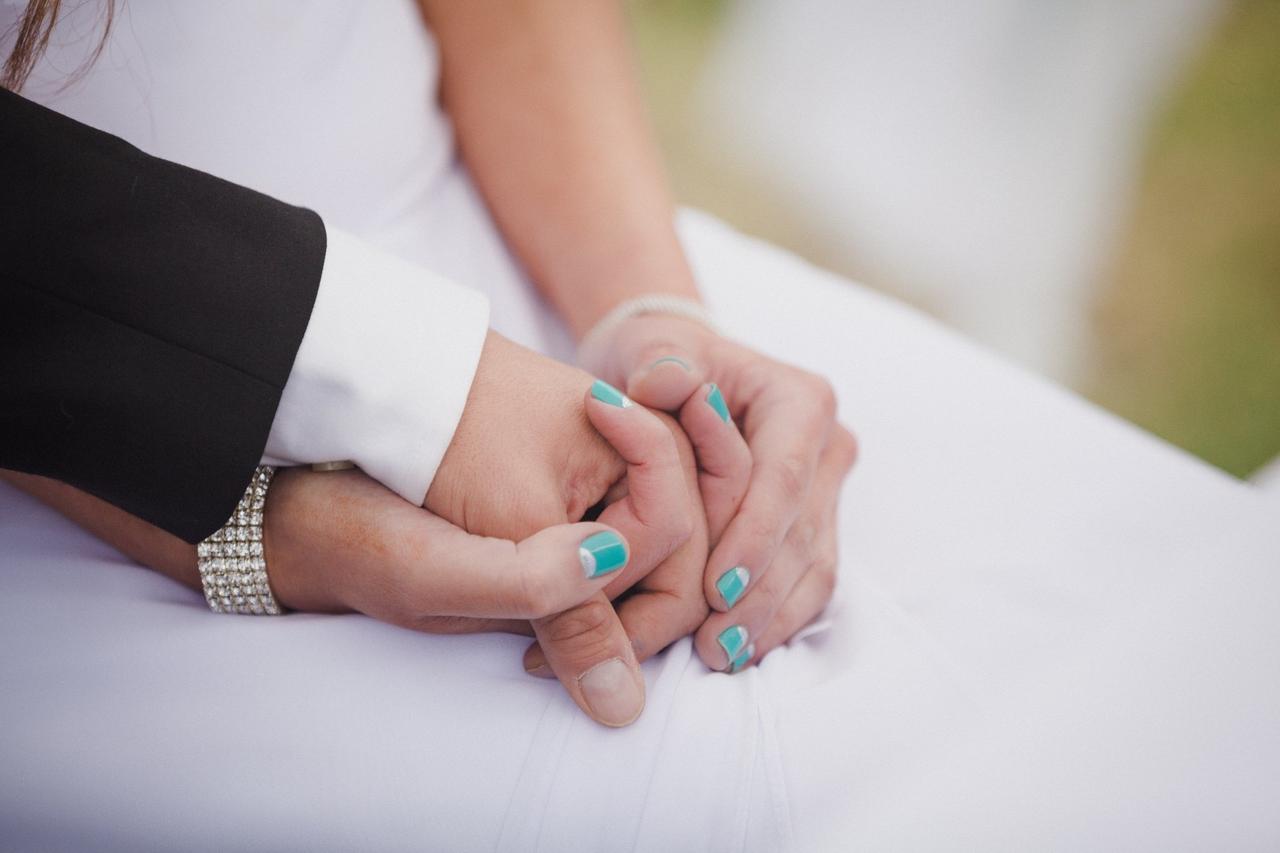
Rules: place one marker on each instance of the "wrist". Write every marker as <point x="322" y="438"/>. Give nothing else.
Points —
<point x="293" y="525"/>
<point x="586" y="293"/>
<point x="598" y="336"/>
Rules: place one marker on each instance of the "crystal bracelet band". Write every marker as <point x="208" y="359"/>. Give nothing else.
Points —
<point x="653" y="303"/>
<point x="233" y="567"/>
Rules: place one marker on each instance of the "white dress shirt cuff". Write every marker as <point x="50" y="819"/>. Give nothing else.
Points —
<point x="383" y="371"/>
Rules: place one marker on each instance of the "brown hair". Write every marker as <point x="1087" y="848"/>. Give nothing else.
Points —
<point x="34" y="30"/>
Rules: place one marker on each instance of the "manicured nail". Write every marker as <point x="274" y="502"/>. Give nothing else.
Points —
<point x="606" y="393"/>
<point x="732" y="584"/>
<point x="601" y="553"/>
<point x="716" y="401"/>
<point x="671" y="359"/>
<point x="732" y="640"/>
<point x="743" y="659"/>
<point x="612" y="692"/>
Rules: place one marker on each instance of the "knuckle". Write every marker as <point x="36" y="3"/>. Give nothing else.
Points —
<point x="760" y="533"/>
<point x="657" y="439"/>
<point x="792" y="470"/>
<point x="845" y="446"/>
<point x="585" y="628"/>
<point x="539" y="593"/>
<point x="826" y="577"/>
<point x="824" y="394"/>
<point x="586" y="489"/>
<point x="681" y="527"/>
<point x="804" y="532"/>
<point x="661" y="345"/>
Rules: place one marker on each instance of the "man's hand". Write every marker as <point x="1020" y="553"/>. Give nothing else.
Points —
<point x="524" y="452"/>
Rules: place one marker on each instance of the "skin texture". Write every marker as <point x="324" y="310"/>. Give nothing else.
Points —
<point x="549" y="120"/>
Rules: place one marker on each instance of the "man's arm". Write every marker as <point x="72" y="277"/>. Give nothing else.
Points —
<point x="157" y="332"/>
<point x="150" y="316"/>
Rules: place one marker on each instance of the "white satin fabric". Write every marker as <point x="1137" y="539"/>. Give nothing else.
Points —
<point x="1052" y="631"/>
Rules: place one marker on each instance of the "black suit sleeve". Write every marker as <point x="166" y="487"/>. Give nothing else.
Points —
<point x="149" y="318"/>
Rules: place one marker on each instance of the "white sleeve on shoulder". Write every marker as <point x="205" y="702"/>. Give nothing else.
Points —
<point x="383" y="371"/>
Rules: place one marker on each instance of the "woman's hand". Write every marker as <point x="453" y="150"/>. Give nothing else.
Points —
<point x="770" y="491"/>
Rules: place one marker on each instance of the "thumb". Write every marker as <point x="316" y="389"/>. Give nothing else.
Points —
<point x="662" y="376"/>
<point x="588" y="650"/>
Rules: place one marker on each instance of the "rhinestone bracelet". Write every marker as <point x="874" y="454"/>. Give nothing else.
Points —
<point x="233" y="568"/>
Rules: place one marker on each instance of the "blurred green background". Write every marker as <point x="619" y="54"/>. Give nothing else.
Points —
<point x="1186" y="319"/>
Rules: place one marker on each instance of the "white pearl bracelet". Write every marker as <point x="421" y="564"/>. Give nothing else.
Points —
<point x="652" y="303"/>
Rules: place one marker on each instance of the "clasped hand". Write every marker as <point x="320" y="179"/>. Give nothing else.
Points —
<point x="677" y="509"/>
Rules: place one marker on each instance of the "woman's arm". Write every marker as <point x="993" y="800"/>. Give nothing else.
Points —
<point x="551" y="123"/>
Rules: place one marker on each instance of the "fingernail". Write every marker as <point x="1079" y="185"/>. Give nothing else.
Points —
<point x="606" y="393"/>
<point x="601" y="553"/>
<point x="671" y="359"/>
<point x="612" y="692"/>
<point x="732" y="640"/>
<point x="741" y="660"/>
<point x="716" y="401"/>
<point x="732" y="584"/>
<point x="540" y="671"/>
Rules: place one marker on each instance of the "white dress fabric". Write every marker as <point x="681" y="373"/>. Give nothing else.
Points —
<point x="1052" y="631"/>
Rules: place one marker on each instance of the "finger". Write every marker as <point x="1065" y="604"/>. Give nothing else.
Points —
<point x="656" y="514"/>
<point x="810" y="546"/>
<point x="468" y="625"/>
<point x="666" y="379"/>
<point x="806" y="602"/>
<point x="374" y="552"/>
<point x="588" y="650"/>
<point x="669" y="603"/>
<point x="446" y="571"/>
<point x="659" y="367"/>
<point x="652" y="618"/>
<point x="724" y="461"/>
<point x="787" y="429"/>
<point x="727" y="641"/>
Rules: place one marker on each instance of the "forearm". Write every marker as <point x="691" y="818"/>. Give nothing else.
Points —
<point x="149" y="317"/>
<point x="551" y="124"/>
<point x="143" y="542"/>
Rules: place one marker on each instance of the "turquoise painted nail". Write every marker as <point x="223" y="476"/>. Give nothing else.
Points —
<point x="601" y="553"/>
<point x="716" y="401"/>
<point x="741" y="660"/>
<point x="672" y="360"/>
<point x="732" y="584"/>
<point x="606" y="393"/>
<point x="732" y="640"/>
